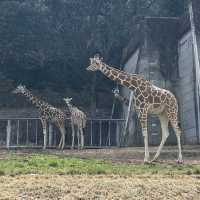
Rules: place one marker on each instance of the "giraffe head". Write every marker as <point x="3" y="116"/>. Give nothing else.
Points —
<point x="67" y="100"/>
<point x="21" y="89"/>
<point x="95" y="63"/>
<point x="115" y="91"/>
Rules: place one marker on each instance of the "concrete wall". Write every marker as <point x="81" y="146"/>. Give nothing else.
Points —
<point x="134" y="134"/>
<point x="186" y="88"/>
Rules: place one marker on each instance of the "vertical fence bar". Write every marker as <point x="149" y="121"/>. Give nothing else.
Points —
<point x="109" y="127"/>
<point x="50" y="134"/>
<point x="17" y="132"/>
<point x="91" y="139"/>
<point x="27" y="133"/>
<point x="117" y="134"/>
<point x="8" y="136"/>
<point x="54" y="138"/>
<point x="36" y="131"/>
<point x="100" y="133"/>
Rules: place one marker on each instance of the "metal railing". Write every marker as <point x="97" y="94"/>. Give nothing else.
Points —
<point x="27" y="133"/>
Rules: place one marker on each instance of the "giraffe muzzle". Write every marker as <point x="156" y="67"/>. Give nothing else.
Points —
<point x="90" y="68"/>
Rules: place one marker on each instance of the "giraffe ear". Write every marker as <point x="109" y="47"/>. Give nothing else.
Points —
<point x="97" y="56"/>
<point x="21" y="86"/>
<point x="115" y="91"/>
<point x="141" y="76"/>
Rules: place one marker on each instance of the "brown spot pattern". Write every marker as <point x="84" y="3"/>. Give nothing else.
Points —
<point x="156" y="100"/>
<point x="127" y="84"/>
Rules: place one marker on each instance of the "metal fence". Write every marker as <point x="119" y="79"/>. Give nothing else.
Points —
<point x="27" y="133"/>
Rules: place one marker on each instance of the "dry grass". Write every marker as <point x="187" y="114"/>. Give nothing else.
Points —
<point x="80" y="187"/>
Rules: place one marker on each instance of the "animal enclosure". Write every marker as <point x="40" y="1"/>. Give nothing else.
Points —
<point x="27" y="132"/>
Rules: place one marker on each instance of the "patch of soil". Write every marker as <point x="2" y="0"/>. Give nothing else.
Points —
<point x="43" y="187"/>
<point x="191" y="154"/>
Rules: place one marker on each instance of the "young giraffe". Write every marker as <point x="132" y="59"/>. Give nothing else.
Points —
<point x="78" y="120"/>
<point x="47" y="113"/>
<point x="147" y="99"/>
<point x="119" y="97"/>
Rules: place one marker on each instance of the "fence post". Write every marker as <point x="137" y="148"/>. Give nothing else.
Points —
<point x="109" y="127"/>
<point x="91" y="138"/>
<point x="50" y="134"/>
<point x="8" y="130"/>
<point x="100" y="133"/>
<point x="36" y="132"/>
<point x="17" y="132"/>
<point x="27" y="133"/>
<point x="118" y="128"/>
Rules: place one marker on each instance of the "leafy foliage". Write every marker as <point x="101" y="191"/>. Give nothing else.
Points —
<point x="46" y="43"/>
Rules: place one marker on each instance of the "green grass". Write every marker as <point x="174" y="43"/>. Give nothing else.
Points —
<point x="49" y="164"/>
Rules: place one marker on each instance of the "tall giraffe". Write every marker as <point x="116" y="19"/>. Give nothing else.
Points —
<point x="47" y="113"/>
<point x="78" y="120"/>
<point x="148" y="99"/>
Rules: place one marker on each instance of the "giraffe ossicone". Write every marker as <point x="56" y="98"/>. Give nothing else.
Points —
<point x="148" y="99"/>
<point x="47" y="113"/>
<point x="78" y="123"/>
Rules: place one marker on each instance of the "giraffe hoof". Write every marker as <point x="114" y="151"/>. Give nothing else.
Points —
<point x="147" y="162"/>
<point x="154" y="160"/>
<point x="179" y="161"/>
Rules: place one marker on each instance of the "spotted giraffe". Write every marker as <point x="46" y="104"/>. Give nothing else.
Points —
<point x="47" y="113"/>
<point x="78" y="120"/>
<point x="148" y="99"/>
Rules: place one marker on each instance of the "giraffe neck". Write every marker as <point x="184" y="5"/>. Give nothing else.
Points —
<point x="34" y="100"/>
<point x="121" y="77"/>
<point x="70" y="107"/>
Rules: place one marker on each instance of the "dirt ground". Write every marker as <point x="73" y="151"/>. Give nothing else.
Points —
<point x="191" y="154"/>
<point x="104" y="187"/>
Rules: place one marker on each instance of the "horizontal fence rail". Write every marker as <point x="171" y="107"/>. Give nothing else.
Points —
<point x="27" y="133"/>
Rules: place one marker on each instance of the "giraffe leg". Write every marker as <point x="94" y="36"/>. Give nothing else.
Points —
<point x="73" y="133"/>
<point x="82" y="138"/>
<point x="44" y="126"/>
<point x="61" y="137"/>
<point x="78" y="136"/>
<point x="164" y="121"/>
<point x="61" y="141"/>
<point x="143" y="121"/>
<point x="63" y="132"/>
<point x="178" y="136"/>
